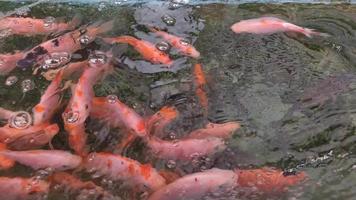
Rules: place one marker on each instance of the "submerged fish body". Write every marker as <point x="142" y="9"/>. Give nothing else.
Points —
<point x="69" y="43"/>
<point x="8" y="61"/>
<point x="200" y="86"/>
<point x="158" y="121"/>
<point x="224" y="130"/>
<point x="41" y="159"/>
<point x="22" y="188"/>
<point x="146" y="49"/>
<point x="116" y="167"/>
<point x="270" y="25"/>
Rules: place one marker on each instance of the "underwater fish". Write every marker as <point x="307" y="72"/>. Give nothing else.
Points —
<point x="68" y="70"/>
<point x="224" y="130"/>
<point x="200" y="86"/>
<point x="268" y="180"/>
<point x="32" y="137"/>
<point x="22" y="188"/>
<point x="270" y="25"/>
<point x="158" y="121"/>
<point x="133" y="173"/>
<point x="8" y="61"/>
<point x="147" y="50"/>
<point x="185" y="149"/>
<point x="80" y="104"/>
<point x="118" y="115"/>
<point x="41" y="159"/>
<point x="5" y="163"/>
<point x="179" y="43"/>
<point x="197" y="185"/>
<point x="49" y="103"/>
<point x="30" y="26"/>
<point x="69" y="43"/>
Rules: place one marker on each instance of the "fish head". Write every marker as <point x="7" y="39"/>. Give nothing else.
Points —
<point x="192" y="52"/>
<point x="239" y="27"/>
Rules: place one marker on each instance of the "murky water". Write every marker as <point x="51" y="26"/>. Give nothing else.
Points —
<point x="294" y="96"/>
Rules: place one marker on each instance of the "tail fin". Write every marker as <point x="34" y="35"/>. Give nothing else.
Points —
<point x="310" y="32"/>
<point x="75" y="22"/>
<point x="105" y="27"/>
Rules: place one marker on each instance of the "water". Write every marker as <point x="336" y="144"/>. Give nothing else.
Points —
<point x="294" y="96"/>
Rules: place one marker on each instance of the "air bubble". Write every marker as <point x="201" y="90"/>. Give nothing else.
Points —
<point x="56" y="60"/>
<point x="119" y="2"/>
<point x="163" y="46"/>
<point x="111" y="98"/>
<point x="169" y="20"/>
<point x="48" y="21"/>
<point x="20" y="120"/>
<point x="172" y="136"/>
<point x="27" y="85"/>
<point x="71" y="116"/>
<point x="98" y="58"/>
<point x="85" y="39"/>
<point x="11" y="80"/>
<point x="101" y="6"/>
<point x="184" y="42"/>
<point x="171" y="164"/>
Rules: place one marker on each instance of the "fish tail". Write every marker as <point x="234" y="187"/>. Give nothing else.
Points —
<point x="105" y="27"/>
<point x="310" y="32"/>
<point x="77" y="19"/>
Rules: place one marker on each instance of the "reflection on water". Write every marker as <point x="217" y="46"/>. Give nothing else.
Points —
<point x="294" y="96"/>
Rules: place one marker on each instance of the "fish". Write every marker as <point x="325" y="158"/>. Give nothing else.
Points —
<point x="80" y="105"/>
<point x="68" y="70"/>
<point x="224" y="130"/>
<point x="57" y="160"/>
<point x="18" y="188"/>
<point x="200" y="86"/>
<point x="197" y="185"/>
<point x="69" y="42"/>
<point x="5" y="163"/>
<point x="270" y="25"/>
<point x="141" y="176"/>
<point x="147" y="50"/>
<point x="30" y="27"/>
<point x="8" y="61"/>
<point x="32" y="137"/>
<point x="185" y="149"/>
<point x="179" y="43"/>
<point x="268" y="180"/>
<point x="118" y="115"/>
<point x="158" y="121"/>
<point x="49" y="103"/>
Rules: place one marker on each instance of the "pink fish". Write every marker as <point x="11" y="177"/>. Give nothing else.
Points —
<point x="133" y="173"/>
<point x="118" y="115"/>
<point x="157" y="122"/>
<point x="69" y="43"/>
<point x="80" y="104"/>
<point x="8" y="61"/>
<point x="197" y="185"/>
<point x="30" y="138"/>
<point x="42" y="159"/>
<point x="179" y="43"/>
<point x="69" y="70"/>
<point x="224" y="130"/>
<point x="270" y="25"/>
<point x="185" y="149"/>
<point x="30" y="26"/>
<point x="22" y="188"/>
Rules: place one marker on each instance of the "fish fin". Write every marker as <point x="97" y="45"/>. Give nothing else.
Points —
<point x="77" y="19"/>
<point x="169" y="176"/>
<point x="310" y="32"/>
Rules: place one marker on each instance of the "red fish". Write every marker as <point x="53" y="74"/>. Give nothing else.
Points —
<point x="80" y="105"/>
<point x="30" y="27"/>
<point x="118" y="115"/>
<point x="8" y="61"/>
<point x="146" y="49"/>
<point x="268" y="180"/>
<point x="5" y="163"/>
<point x="42" y="159"/>
<point x="270" y="25"/>
<point x="224" y="130"/>
<point x="69" y="43"/>
<point x="30" y="138"/>
<point x="185" y="149"/>
<point x="200" y="84"/>
<point x="197" y="185"/>
<point x="180" y="43"/>
<point x="49" y="103"/>
<point x="22" y="188"/>
<point x="116" y="167"/>
<point x="157" y="122"/>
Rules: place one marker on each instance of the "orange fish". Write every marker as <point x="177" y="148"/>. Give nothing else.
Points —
<point x="268" y="180"/>
<point x="30" y="27"/>
<point x="157" y="122"/>
<point x="200" y="85"/>
<point x="80" y="104"/>
<point x="69" y="43"/>
<point x="180" y="43"/>
<point x="147" y="50"/>
<point x="5" y="163"/>
<point x="224" y="130"/>
<point x="118" y="115"/>
<point x="30" y="138"/>
<point x="116" y="167"/>
<point x="22" y="188"/>
<point x="270" y="25"/>
<point x="42" y="159"/>
<point x="8" y="61"/>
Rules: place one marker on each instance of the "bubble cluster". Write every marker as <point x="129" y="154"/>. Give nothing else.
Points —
<point x="27" y="85"/>
<point x="171" y="164"/>
<point x="48" y="21"/>
<point x="169" y="20"/>
<point x="184" y="42"/>
<point x="11" y="80"/>
<point x="84" y="39"/>
<point x="71" y="116"/>
<point x="56" y="59"/>
<point x="97" y="58"/>
<point x="112" y="98"/>
<point x="20" y="120"/>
